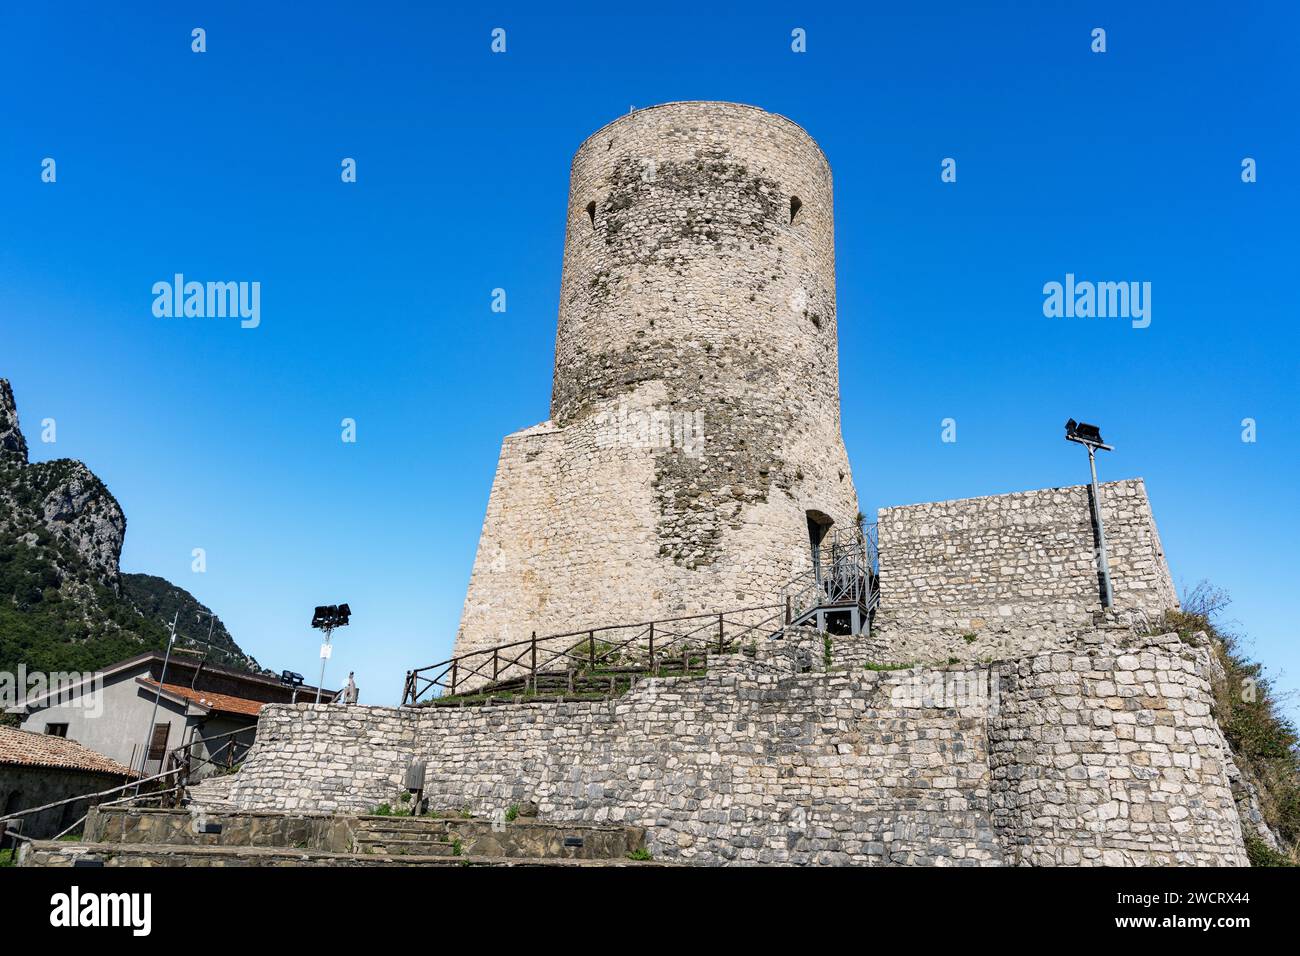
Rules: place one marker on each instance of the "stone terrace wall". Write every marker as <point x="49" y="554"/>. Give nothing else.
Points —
<point x="1112" y="756"/>
<point x="1099" y="756"/>
<point x="1013" y="572"/>
<point x="732" y="767"/>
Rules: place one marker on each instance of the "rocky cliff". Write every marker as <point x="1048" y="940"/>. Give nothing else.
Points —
<point x="13" y="446"/>
<point x="64" y="603"/>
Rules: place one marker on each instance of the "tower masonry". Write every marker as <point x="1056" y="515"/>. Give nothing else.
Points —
<point x="693" y="454"/>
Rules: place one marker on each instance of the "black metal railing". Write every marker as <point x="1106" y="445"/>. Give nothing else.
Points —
<point x="844" y="574"/>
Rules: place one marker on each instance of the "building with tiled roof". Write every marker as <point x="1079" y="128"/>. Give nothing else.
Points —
<point x="140" y="717"/>
<point x="39" y="769"/>
<point x="26" y="749"/>
<point x="220" y="703"/>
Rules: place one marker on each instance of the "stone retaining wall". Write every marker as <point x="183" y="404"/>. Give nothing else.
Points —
<point x="1112" y="756"/>
<point x="198" y="828"/>
<point x="338" y="833"/>
<point x="1102" y="754"/>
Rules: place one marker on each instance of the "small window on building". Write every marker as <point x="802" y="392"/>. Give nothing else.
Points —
<point x="56" y="730"/>
<point x="591" y="213"/>
<point x="795" y="205"/>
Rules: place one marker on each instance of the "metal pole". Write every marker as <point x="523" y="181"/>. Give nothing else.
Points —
<point x="328" y="632"/>
<point x="1107" y="595"/>
<point x="212" y="619"/>
<point x="144" y="757"/>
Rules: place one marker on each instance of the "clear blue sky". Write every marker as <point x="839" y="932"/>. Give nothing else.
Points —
<point x="376" y="295"/>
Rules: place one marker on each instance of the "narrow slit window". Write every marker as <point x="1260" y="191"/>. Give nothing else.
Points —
<point x="591" y="213"/>
<point x="795" y="205"/>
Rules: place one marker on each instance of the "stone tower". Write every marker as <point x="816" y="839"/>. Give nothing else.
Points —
<point x="693" y="453"/>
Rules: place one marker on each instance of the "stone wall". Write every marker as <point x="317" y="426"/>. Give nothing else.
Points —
<point x="1105" y="754"/>
<point x="340" y="833"/>
<point x="316" y="831"/>
<point x="1112" y="756"/>
<point x="25" y="788"/>
<point x="695" y="416"/>
<point x="993" y="577"/>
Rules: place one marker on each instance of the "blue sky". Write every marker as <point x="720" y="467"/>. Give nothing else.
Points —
<point x="376" y="295"/>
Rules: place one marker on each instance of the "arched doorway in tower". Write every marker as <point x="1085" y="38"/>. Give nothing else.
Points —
<point x="819" y="526"/>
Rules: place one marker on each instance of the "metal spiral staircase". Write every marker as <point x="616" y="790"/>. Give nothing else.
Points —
<point x="841" y="590"/>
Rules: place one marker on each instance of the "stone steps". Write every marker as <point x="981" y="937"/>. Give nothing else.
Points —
<point x="371" y="846"/>
<point x="404" y="836"/>
<point x="380" y="821"/>
<point x="403" y="833"/>
<point x="213" y="794"/>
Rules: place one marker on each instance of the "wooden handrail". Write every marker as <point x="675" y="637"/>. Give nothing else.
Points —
<point x="474" y="664"/>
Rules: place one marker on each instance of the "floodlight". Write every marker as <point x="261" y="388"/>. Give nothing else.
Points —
<point x="326" y="617"/>
<point x="1084" y="434"/>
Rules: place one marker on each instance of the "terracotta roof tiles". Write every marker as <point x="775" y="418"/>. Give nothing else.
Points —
<point x="222" y="702"/>
<point x="27" y="749"/>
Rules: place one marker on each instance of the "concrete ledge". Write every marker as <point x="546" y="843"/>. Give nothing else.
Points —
<point x="51" y="853"/>
<point x="296" y="833"/>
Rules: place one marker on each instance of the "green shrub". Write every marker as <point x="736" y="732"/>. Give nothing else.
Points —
<point x="1261" y="854"/>
<point x="1249" y="710"/>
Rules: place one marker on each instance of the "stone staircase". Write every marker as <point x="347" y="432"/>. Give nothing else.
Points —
<point x="213" y="794"/>
<point x="404" y="836"/>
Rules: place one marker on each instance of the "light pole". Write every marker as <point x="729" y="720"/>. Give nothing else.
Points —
<point x="326" y="618"/>
<point x="148" y="738"/>
<point x="1089" y="436"/>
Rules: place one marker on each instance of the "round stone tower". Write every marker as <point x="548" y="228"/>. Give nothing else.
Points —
<point x="693" y="454"/>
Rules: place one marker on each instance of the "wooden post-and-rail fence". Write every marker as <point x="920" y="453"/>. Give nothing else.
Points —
<point x="655" y="640"/>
